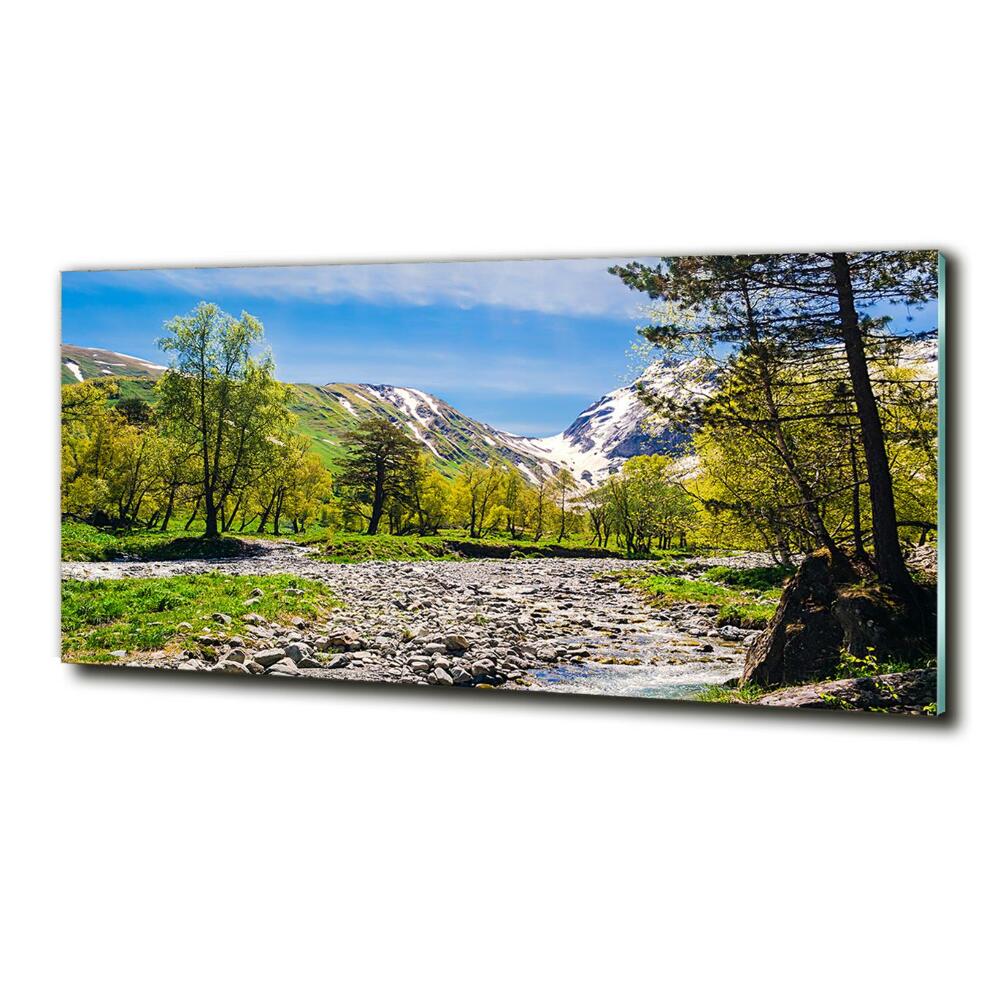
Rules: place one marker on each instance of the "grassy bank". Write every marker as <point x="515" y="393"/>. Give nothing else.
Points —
<point x="745" y="607"/>
<point x="86" y="543"/>
<point x="346" y="547"/>
<point x="103" y="616"/>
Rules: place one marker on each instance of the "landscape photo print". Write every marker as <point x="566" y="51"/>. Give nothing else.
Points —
<point x="709" y="478"/>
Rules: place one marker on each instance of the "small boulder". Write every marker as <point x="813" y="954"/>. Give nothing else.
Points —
<point x="297" y="651"/>
<point x="342" y="639"/>
<point x="440" y="676"/>
<point x="268" y="657"/>
<point x="460" y="675"/>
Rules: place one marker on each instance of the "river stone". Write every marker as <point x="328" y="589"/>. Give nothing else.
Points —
<point x="343" y="639"/>
<point x="285" y="665"/>
<point x="268" y="657"/>
<point x="440" y="676"/>
<point x="460" y="675"/>
<point x="297" y="651"/>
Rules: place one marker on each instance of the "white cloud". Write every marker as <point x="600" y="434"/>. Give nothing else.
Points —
<point x="574" y="287"/>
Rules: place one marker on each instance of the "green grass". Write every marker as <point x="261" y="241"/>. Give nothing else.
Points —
<point x="450" y="544"/>
<point x="85" y="543"/>
<point x="735" y="608"/>
<point x="720" y="693"/>
<point x="99" y="616"/>
<point x="762" y="578"/>
<point x="348" y="547"/>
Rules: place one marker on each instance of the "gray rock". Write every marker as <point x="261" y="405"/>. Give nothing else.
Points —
<point x="296" y="651"/>
<point x="283" y="666"/>
<point x="457" y="643"/>
<point x="222" y="619"/>
<point x="342" y="639"/>
<point x="440" y="676"/>
<point x="268" y="657"/>
<point x="459" y="675"/>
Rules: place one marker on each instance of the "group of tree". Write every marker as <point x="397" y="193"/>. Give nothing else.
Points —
<point x="388" y="483"/>
<point x="217" y="446"/>
<point x="812" y="428"/>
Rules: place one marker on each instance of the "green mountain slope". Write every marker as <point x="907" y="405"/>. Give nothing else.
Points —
<point x="326" y="413"/>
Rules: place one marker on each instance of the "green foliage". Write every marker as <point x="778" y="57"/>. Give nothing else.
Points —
<point x="100" y="616"/>
<point x="798" y="446"/>
<point x="214" y="442"/>
<point x="378" y="472"/>
<point x="645" y="503"/>
<point x="870" y="666"/>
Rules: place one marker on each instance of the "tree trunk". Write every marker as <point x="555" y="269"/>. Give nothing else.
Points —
<point x="889" y="563"/>
<point x="211" y="519"/>
<point x="194" y="514"/>
<point x="859" y="538"/>
<point x="378" y="500"/>
<point x="169" y="513"/>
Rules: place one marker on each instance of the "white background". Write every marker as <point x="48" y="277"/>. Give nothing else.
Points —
<point x="200" y="839"/>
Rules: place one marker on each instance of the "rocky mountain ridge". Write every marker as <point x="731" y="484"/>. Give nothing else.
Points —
<point x="597" y="442"/>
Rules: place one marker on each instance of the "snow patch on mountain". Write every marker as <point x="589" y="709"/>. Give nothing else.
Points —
<point x="619" y="425"/>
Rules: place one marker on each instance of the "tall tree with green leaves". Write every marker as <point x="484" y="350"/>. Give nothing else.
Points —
<point x="216" y="395"/>
<point x="790" y="307"/>
<point x="379" y="467"/>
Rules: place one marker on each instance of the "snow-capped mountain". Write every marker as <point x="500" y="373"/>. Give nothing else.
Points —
<point x="327" y="412"/>
<point x="617" y="427"/>
<point x="620" y="426"/>
<point x="595" y="444"/>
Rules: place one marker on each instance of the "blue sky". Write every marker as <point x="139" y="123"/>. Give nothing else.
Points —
<point x="522" y="345"/>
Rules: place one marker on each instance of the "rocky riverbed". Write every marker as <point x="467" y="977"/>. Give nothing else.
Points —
<point x="560" y="625"/>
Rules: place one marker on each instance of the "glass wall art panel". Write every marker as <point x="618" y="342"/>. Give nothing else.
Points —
<point x="698" y="478"/>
